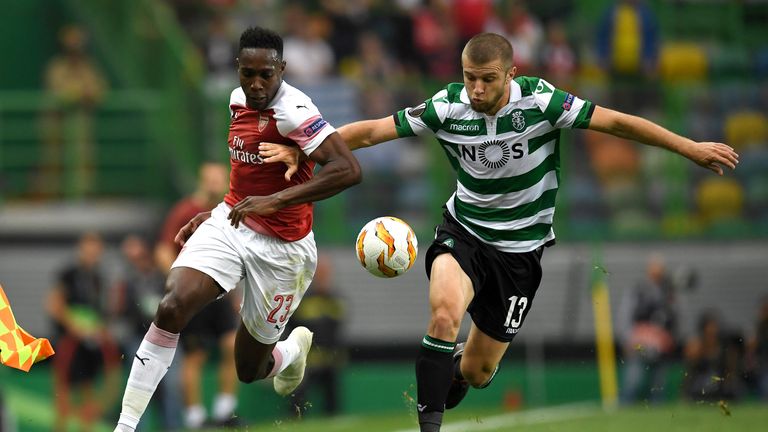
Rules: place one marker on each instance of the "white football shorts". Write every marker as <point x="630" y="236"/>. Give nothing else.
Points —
<point x="276" y="273"/>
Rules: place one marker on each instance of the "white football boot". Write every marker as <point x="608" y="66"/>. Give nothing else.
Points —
<point x="286" y="381"/>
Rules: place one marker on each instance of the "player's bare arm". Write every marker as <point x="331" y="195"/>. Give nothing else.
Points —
<point x="367" y="133"/>
<point x="339" y="171"/>
<point x="357" y="135"/>
<point x="187" y="230"/>
<point x="710" y="155"/>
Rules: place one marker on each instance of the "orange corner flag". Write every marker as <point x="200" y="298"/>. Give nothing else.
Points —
<point x="18" y="349"/>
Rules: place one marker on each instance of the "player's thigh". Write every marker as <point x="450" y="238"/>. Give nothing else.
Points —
<point x="216" y="250"/>
<point x="278" y="274"/>
<point x="450" y="289"/>
<point x="503" y="301"/>
<point x="451" y="264"/>
<point x="189" y="290"/>
<point x="482" y="354"/>
<point x="209" y="264"/>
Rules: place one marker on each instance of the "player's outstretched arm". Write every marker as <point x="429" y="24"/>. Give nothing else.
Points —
<point x="357" y="135"/>
<point x="339" y="171"/>
<point x="710" y="155"/>
<point x="366" y="133"/>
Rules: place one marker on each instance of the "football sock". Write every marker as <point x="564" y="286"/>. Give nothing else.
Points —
<point x="151" y="362"/>
<point x="194" y="417"/>
<point x="434" y="369"/>
<point x="224" y="406"/>
<point x="284" y="353"/>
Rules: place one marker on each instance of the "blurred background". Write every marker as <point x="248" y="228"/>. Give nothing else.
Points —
<point x="109" y="109"/>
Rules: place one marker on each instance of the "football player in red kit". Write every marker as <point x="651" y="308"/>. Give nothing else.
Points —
<point x="261" y="233"/>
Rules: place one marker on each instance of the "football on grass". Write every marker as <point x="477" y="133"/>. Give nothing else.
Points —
<point x="386" y="247"/>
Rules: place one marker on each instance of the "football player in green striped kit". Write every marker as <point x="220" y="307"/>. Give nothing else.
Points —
<point x="501" y="134"/>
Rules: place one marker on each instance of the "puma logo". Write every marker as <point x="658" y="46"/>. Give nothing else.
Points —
<point x="142" y="360"/>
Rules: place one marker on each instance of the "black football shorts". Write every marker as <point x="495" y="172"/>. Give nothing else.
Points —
<point x="504" y="283"/>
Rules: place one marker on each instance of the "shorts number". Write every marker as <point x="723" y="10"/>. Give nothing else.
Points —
<point x="280" y="299"/>
<point x="518" y="305"/>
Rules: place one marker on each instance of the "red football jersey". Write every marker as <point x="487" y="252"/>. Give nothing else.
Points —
<point x="290" y="119"/>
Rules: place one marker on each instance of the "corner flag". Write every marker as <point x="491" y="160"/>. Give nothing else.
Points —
<point x="19" y="349"/>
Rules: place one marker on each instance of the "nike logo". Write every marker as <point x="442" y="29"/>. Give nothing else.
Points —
<point x="301" y="106"/>
<point x="141" y="359"/>
<point x="421" y="407"/>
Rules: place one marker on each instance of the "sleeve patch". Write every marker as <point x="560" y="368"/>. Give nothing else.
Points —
<point x="315" y="127"/>
<point x="418" y="110"/>
<point x="568" y="102"/>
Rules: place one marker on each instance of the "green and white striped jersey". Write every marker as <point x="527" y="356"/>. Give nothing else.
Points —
<point x="508" y="165"/>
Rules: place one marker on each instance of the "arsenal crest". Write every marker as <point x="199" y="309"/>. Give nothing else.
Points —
<point x="263" y="121"/>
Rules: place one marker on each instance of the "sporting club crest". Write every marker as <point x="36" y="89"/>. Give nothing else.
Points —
<point x="518" y="120"/>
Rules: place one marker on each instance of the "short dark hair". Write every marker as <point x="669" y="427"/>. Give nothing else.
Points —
<point x="257" y="37"/>
<point x="487" y="47"/>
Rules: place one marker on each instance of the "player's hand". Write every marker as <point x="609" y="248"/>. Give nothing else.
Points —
<point x="288" y="155"/>
<point x="186" y="231"/>
<point x="253" y="205"/>
<point x="714" y="156"/>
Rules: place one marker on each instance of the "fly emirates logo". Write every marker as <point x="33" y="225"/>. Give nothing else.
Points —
<point x="237" y="153"/>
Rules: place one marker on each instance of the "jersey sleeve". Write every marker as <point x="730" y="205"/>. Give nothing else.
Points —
<point x="299" y="119"/>
<point x="423" y="119"/>
<point x="562" y="109"/>
<point x="236" y="99"/>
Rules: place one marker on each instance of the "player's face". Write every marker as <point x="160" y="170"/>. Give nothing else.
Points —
<point x="261" y="72"/>
<point x="487" y="84"/>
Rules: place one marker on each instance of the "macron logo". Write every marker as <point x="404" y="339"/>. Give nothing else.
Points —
<point x="464" y="127"/>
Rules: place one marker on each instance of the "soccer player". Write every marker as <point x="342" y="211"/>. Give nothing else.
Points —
<point x="501" y="135"/>
<point x="261" y="233"/>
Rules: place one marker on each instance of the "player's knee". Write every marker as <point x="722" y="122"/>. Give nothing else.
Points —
<point x="478" y="376"/>
<point x="171" y="312"/>
<point x="444" y="324"/>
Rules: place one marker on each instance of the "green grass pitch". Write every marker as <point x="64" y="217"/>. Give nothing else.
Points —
<point x="587" y="417"/>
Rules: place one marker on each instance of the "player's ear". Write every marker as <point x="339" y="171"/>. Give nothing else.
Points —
<point x="511" y="73"/>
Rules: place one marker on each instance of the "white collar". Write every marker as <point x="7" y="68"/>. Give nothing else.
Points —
<point x="515" y="92"/>
<point x="280" y="91"/>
